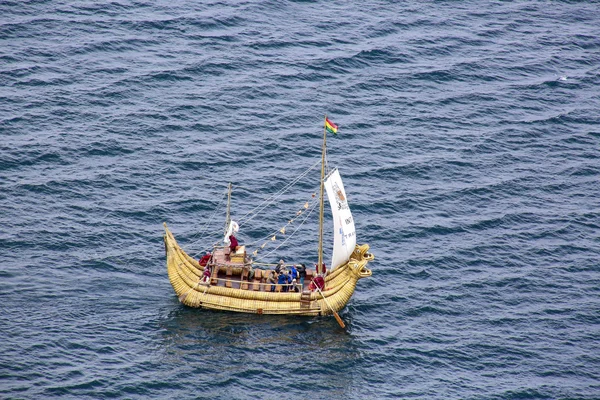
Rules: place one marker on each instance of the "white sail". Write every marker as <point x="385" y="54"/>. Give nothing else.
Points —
<point x="232" y="230"/>
<point x="344" y="234"/>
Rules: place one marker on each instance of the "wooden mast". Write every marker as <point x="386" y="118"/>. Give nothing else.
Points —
<point x="321" y="208"/>
<point x="321" y="212"/>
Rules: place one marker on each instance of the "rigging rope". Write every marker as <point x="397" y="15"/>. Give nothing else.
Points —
<point x="290" y="236"/>
<point x="274" y="197"/>
<point x="270" y="235"/>
<point x="202" y="230"/>
<point x="249" y="216"/>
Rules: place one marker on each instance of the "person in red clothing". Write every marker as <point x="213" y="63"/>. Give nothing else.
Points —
<point x="318" y="282"/>
<point x="206" y="275"/>
<point x="323" y="269"/>
<point x="233" y="243"/>
<point x="205" y="258"/>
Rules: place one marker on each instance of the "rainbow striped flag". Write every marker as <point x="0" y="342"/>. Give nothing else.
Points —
<point x="330" y="126"/>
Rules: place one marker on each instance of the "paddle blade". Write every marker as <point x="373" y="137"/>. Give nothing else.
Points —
<point x="339" y="320"/>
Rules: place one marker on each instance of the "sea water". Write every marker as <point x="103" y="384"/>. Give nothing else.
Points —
<point x="469" y="147"/>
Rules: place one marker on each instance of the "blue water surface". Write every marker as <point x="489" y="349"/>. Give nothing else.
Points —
<point x="469" y="145"/>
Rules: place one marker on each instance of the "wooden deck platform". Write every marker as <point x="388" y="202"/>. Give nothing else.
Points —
<point x="231" y="271"/>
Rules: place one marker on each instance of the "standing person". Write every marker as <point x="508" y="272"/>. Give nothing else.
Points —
<point x="272" y="279"/>
<point x="294" y="272"/>
<point x="322" y="270"/>
<point x="294" y="276"/>
<point x="280" y="266"/>
<point x="289" y="281"/>
<point x="233" y="243"/>
<point x="302" y="274"/>
<point x="283" y="281"/>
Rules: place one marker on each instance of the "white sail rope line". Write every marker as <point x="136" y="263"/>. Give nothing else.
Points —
<point x="274" y="233"/>
<point x="274" y="197"/>
<point x="290" y="236"/>
<point x="222" y="201"/>
<point x="216" y="210"/>
<point x="203" y="229"/>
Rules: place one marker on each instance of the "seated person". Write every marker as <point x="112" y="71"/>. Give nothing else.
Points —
<point x="205" y="258"/>
<point x="317" y="283"/>
<point x="206" y="275"/>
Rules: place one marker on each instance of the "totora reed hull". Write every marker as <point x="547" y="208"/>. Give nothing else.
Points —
<point x="231" y="290"/>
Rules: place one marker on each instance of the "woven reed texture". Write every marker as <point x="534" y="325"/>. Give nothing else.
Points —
<point x="185" y="276"/>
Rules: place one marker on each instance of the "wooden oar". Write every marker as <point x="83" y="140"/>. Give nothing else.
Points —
<point x="335" y="314"/>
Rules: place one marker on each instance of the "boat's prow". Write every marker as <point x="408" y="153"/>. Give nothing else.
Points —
<point x="230" y="289"/>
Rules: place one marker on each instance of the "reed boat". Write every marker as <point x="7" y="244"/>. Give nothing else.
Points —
<point x="232" y="280"/>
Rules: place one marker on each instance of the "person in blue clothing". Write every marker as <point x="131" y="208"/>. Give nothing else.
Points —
<point x="294" y="277"/>
<point x="283" y="280"/>
<point x="289" y="281"/>
<point x="294" y="272"/>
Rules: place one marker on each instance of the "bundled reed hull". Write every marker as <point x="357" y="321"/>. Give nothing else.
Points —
<point x="227" y="286"/>
<point x="185" y="275"/>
